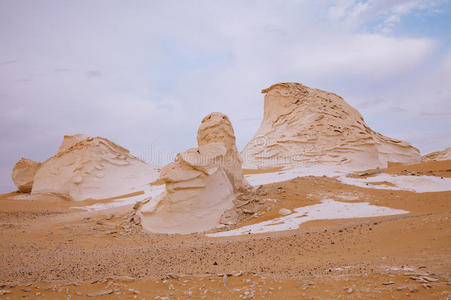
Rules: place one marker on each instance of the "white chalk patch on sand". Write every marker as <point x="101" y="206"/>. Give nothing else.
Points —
<point x="288" y="174"/>
<point x="327" y="210"/>
<point x="348" y="197"/>
<point x="149" y="191"/>
<point x="418" y="184"/>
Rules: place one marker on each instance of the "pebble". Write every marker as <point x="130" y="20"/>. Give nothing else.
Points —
<point x="237" y="274"/>
<point x="100" y="293"/>
<point x="350" y="291"/>
<point x="122" y="278"/>
<point x="109" y="217"/>
<point x="4" y="292"/>
<point x="426" y="286"/>
<point x="136" y="292"/>
<point x="388" y="283"/>
<point x="285" y="211"/>
<point x="430" y="279"/>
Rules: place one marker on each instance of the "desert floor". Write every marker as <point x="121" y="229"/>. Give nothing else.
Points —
<point x="51" y="250"/>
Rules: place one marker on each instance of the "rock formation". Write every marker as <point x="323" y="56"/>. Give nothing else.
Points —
<point x="23" y="174"/>
<point x="91" y="168"/>
<point x="201" y="183"/>
<point x="306" y="127"/>
<point x="70" y="140"/>
<point x="438" y="155"/>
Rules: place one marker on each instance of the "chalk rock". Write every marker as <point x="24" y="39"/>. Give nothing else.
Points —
<point x="92" y="168"/>
<point x="438" y="155"/>
<point x="71" y="140"/>
<point x="305" y="127"/>
<point x="23" y="174"/>
<point x="200" y="184"/>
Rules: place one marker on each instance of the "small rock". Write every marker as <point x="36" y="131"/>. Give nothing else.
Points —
<point x="100" y="293"/>
<point x="26" y="290"/>
<point x="109" y="217"/>
<point x="237" y="274"/>
<point x="136" y="292"/>
<point x="4" y="292"/>
<point x="99" y="222"/>
<point x="349" y="291"/>
<point x="285" y="211"/>
<point x="122" y="278"/>
<point x="307" y="282"/>
<point x="135" y="219"/>
<point x="79" y="293"/>
<point x="173" y="276"/>
<point x="388" y="283"/>
<point x="430" y="279"/>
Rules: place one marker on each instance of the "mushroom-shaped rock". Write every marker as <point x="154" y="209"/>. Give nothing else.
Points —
<point x="92" y="168"/>
<point x="201" y="183"/>
<point x="305" y="127"/>
<point x="23" y="174"/>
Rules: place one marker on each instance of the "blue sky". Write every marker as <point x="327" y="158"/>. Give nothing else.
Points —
<point x="144" y="73"/>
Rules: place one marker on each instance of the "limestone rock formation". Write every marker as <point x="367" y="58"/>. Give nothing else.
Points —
<point x="438" y="155"/>
<point x="92" y="168"/>
<point x="201" y="183"/>
<point x="23" y="174"/>
<point x="307" y="127"/>
<point x="70" y="140"/>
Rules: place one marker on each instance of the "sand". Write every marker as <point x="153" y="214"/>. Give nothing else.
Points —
<point x="53" y="251"/>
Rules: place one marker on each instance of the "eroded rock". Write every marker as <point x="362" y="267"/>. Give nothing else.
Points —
<point x="91" y="168"/>
<point x="23" y="174"/>
<point x="201" y="184"/>
<point x="308" y="127"/>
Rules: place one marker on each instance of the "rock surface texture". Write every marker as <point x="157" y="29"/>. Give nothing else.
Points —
<point x="201" y="184"/>
<point x="307" y="127"/>
<point x="438" y="155"/>
<point x="23" y="174"/>
<point x="92" y="168"/>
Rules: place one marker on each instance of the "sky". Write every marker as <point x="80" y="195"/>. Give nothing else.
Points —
<point x="144" y="73"/>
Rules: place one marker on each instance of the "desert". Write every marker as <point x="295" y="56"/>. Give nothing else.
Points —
<point x="225" y="150"/>
<point x="205" y="227"/>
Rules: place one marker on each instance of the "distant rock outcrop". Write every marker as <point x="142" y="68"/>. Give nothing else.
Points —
<point x="438" y="155"/>
<point x="91" y="168"/>
<point x="200" y="184"/>
<point x="306" y="127"/>
<point x="23" y="174"/>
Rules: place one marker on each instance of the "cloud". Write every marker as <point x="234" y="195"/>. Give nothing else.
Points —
<point x="8" y="62"/>
<point x="94" y="73"/>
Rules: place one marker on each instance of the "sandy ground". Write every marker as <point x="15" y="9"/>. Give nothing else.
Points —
<point x="49" y="250"/>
